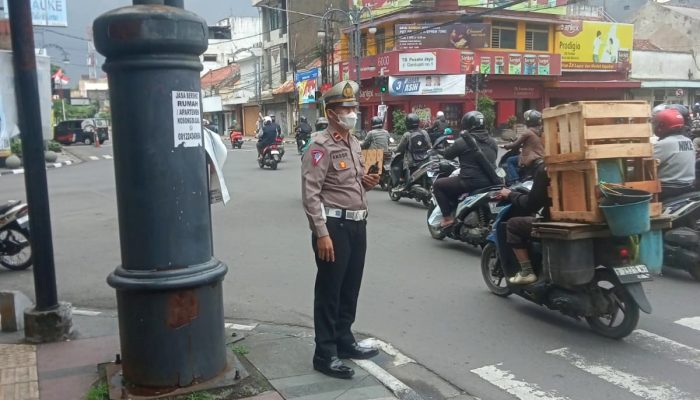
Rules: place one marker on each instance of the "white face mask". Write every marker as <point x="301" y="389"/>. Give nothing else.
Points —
<point x="347" y="121"/>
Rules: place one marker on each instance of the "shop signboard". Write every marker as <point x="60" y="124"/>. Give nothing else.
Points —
<point x="427" y="85"/>
<point x="432" y="36"/>
<point x="594" y="46"/>
<point x="45" y="12"/>
<point x="306" y="84"/>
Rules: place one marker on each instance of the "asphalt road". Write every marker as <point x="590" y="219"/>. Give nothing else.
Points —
<point x="425" y="297"/>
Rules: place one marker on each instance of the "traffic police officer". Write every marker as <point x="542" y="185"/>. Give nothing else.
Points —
<point x="334" y="188"/>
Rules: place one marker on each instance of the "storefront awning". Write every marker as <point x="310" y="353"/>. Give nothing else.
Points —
<point x="593" y="84"/>
<point x="671" y="84"/>
<point x="286" y="87"/>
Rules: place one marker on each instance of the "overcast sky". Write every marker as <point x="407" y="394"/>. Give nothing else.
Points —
<point x="81" y="13"/>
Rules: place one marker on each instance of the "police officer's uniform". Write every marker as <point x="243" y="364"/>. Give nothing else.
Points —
<point x="335" y="203"/>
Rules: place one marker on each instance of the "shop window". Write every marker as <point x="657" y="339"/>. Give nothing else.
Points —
<point x="537" y="37"/>
<point x="453" y="114"/>
<point x="380" y="40"/>
<point x="209" y="58"/>
<point x="363" y="45"/>
<point x="504" y="35"/>
<point x="659" y="95"/>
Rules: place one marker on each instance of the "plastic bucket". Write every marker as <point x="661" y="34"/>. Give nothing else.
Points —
<point x="651" y="251"/>
<point x="623" y="195"/>
<point x="626" y="219"/>
<point x="610" y="171"/>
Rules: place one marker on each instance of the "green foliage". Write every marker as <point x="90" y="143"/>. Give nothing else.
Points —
<point x="200" y="396"/>
<point x="54" y="146"/>
<point x="105" y="115"/>
<point x="73" y="112"/>
<point x="16" y="147"/>
<point x="99" y="392"/>
<point x="487" y="107"/>
<point x="240" y="349"/>
<point x="399" y="122"/>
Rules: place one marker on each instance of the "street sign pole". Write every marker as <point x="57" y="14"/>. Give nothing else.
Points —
<point x="169" y="285"/>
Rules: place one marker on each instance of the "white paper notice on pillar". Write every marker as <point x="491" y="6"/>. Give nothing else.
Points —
<point x="187" y="119"/>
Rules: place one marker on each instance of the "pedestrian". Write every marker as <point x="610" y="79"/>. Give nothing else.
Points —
<point x="334" y="187"/>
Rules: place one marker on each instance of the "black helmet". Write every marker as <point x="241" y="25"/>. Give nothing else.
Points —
<point x="321" y="123"/>
<point x="303" y="119"/>
<point x="696" y="108"/>
<point x="533" y="118"/>
<point x="684" y="112"/>
<point x="473" y="120"/>
<point x="412" y="121"/>
<point x="377" y="122"/>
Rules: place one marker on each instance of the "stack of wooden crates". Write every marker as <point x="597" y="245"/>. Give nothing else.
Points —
<point x="590" y="142"/>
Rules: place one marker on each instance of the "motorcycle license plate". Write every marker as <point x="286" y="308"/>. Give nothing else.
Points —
<point x="274" y="152"/>
<point x="450" y="141"/>
<point x="633" y="273"/>
<point x="22" y="221"/>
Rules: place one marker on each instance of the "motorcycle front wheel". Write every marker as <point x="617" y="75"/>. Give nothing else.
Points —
<point x="622" y="315"/>
<point x="16" y="252"/>
<point x="492" y="272"/>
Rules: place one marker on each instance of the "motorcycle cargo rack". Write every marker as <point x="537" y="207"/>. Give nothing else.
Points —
<point x="591" y="130"/>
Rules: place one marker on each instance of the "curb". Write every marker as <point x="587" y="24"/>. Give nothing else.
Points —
<point x="54" y="165"/>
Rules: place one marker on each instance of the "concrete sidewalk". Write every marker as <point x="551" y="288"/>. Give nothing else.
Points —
<point x="277" y="358"/>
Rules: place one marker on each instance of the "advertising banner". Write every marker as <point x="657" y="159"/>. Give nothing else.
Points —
<point x="46" y="12"/>
<point x="594" y="46"/>
<point x="457" y="35"/>
<point x="502" y="63"/>
<point x="425" y="85"/>
<point x="542" y="6"/>
<point x="306" y="83"/>
<point x="417" y="62"/>
<point x="380" y="7"/>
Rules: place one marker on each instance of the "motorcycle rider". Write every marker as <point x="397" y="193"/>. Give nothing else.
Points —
<point x="321" y="123"/>
<point x="268" y="136"/>
<point x="675" y="153"/>
<point x="438" y="127"/>
<point x="477" y="168"/>
<point x="278" y="128"/>
<point x="378" y="137"/>
<point x="519" y="226"/>
<point x="531" y="147"/>
<point x="303" y="132"/>
<point x="414" y="145"/>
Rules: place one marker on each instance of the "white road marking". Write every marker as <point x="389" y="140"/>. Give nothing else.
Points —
<point x="94" y="158"/>
<point x="57" y="165"/>
<point x="397" y="387"/>
<point x="238" y="327"/>
<point x="107" y="157"/>
<point x="637" y="385"/>
<point x="658" y="344"/>
<point x="506" y="380"/>
<point x="68" y="162"/>
<point x="692" y="323"/>
<point x="399" y="358"/>
<point x="18" y="171"/>
<point x="88" y="313"/>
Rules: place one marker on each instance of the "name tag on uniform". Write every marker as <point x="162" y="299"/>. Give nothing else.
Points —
<point x="341" y="159"/>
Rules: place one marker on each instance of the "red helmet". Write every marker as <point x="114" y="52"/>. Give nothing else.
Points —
<point x="666" y="121"/>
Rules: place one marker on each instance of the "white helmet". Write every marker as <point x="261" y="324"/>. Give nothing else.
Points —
<point x="439" y="114"/>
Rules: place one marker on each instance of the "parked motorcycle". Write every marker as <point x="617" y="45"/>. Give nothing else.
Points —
<point x="608" y="297"/>
<point x="473" y="215"/>
<point x="421" y="181"/>
<point x="271" y="156"/>
<point x="682" y="241"/>
<point x="15" y="251"/>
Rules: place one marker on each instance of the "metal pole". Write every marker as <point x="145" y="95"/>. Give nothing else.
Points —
<point x="476" y="92"/>
<point x="29" y="112"/>
<point x="358" y="67"/>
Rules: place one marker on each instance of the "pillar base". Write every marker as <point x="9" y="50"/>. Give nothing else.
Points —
<point x="46" y="326"/>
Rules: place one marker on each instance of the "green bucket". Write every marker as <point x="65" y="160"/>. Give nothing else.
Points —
<point x="626" y="219"/>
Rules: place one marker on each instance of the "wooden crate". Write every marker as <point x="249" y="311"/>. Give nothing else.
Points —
<point x="590" y="130"/>
<point x="575" y="194"/>
<point x="373" y="157"/>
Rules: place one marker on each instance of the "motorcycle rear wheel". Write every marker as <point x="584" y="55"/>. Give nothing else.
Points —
<point x="435" y="233"/>
<point x="394" y="195"/>
<point x="273" y="165"/>
<point x="18" y="237"/>
<point x="491" y="271"/>
<point x="622" y="302"/>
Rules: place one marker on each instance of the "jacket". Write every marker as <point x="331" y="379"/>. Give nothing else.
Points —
<point x="487" y="145"/>
<point x="473" y="163"/>
<point x="437" y="129"/>
<point x="304" y="130"/>
<point x="377" y="139"/>
<point x="676" y="156"/>
<point x="269" y="134"/>
<point x="403" y="146"/>
<point x="538" y="197"/>
<point x="531" y="146"/>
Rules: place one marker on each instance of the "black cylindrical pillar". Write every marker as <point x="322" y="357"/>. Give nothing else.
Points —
<point x="169" y="285"/>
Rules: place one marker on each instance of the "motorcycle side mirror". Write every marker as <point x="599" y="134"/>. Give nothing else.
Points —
<point x="501" y="173"/>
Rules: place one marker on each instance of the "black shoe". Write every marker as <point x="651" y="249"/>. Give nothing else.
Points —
<point x="333" y="367"/>
<point x="357" y="352"/>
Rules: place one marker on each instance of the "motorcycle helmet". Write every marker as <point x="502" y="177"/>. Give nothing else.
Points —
<point x="303" y="119"/>
<point x="412" y="121"/>
<point x="696" y="108"/>
<point x="439" y="115"/>
<point x="472" y="120"/>
<point x="659" y="108"/>
<point x="377" y="122"/>
<point x="533" y="118"/>
<point x="684" y="112"/>
<point x="448" y="131"/>
<point x="321" y="123"/>
<point x="666" y="121"/>
<point x="267" y="121"/>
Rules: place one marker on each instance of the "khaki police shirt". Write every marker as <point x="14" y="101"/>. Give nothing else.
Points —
<point x="331" y="176"/>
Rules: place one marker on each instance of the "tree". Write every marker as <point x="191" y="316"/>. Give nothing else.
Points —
<point x="487" y="107"/>
<point x="73" y="112"/>
<point x="399" y="122"/>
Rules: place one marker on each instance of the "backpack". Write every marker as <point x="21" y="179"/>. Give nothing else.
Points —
<point x="419" y="145"/>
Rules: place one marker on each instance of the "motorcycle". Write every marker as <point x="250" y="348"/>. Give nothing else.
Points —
<point x="473" y="216"/>
<point x="15" y="251"/>
<point x="236" y="139"/>
<point x="271" y="156"/>
<point x="682" y="241"/>
<point x="280" y="147"/>
<point x="420" y="183"/>
<point x="608" y="297"/>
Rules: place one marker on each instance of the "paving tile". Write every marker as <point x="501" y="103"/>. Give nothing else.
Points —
<point x="18" y="372"/>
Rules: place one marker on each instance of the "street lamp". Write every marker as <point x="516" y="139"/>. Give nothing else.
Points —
<point x="353" y="16"/>
<point x="64" y="53"/>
